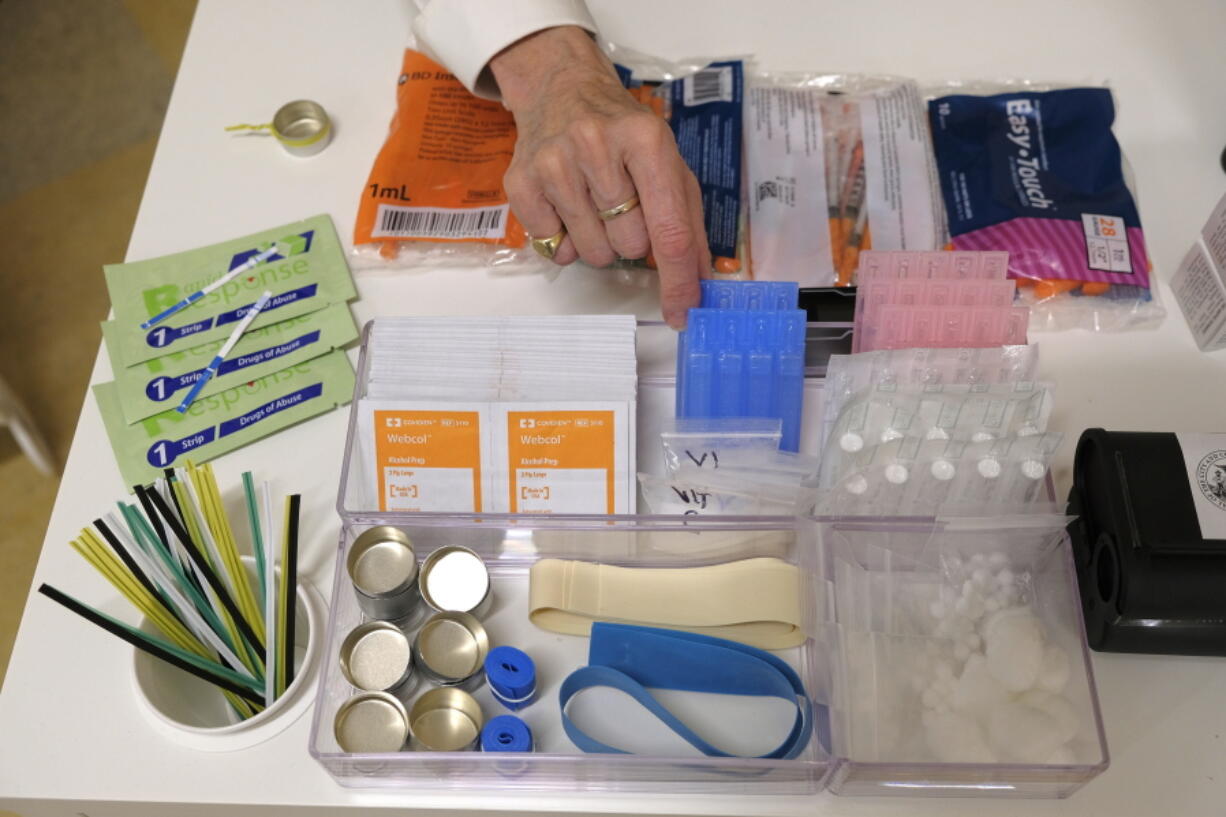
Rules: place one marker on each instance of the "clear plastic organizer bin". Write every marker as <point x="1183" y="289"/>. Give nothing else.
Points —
<point x="866" y="586"/>
<point x="890" y="586"/>
<point x="509" y="552"/>
<point x="656" y="348"/>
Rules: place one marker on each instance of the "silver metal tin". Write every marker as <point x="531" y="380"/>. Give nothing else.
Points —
<point x="302" y="127"/>
<point x="377" y="657"/>
<point x="450" y="650"/>
<point x="454" y="578"/>
<point x="445" y="720"/>
<point x="383" y="569"/>
<point x="371" y="722"/>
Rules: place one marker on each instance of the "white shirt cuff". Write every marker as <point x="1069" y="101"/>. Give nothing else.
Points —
<point x="464" y="35"/>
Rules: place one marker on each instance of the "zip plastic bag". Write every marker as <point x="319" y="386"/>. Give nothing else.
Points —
<point x="1035" y="170"/>
<point x="836" y="164"/>
<point x="694" y="495"/>
<point x="718" y="443"/>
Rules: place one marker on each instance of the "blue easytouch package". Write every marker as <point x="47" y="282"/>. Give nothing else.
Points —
<point x="1039" y="174"/>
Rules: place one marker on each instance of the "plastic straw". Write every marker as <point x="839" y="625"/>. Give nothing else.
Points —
<point x="290" y="588"/>
<point x="228" y="546"/>
<point x="202" y="633"/>
<point x="271" y="620"/>
<point x="202" y="668"/>
<point x="214" y="582"/>
<point x="257" y="541"/>
<point x="200" y="503"/>
<point x="131" y="564"/>
<point x="203" y="630"/>
<point x="95" y="553"/>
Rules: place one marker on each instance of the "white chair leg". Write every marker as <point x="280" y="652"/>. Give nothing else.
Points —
<point x="14" y="415"/>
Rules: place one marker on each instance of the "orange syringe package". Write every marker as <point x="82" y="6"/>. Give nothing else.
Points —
<point x="435" y="192"/>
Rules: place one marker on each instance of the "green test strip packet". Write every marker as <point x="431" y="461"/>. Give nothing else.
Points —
<point x="156" y="385"/>
<point x="307" y="273"/>
<point x="224" y="421"/>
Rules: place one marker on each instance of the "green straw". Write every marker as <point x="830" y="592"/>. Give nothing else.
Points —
<point x="257" y="539"/>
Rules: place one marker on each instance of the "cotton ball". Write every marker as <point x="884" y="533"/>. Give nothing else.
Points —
<point x="1033" y="469"/>
<point x="891" y="434"/>
<point x="954" y="564"/>
<point x="977" y="692"/>
<point x="980" y="576"/>
<point x="1013" y="642"/>
<point x="978" y="560"/>
<point x="1054" y="673"/>
<point x="943" y="470"/>
<point x="1024" y="733"/>
<point x="856" y="485"/>
<point x="1059" y="707"/>
<point x="1005" y="577"/>
<point x="997" y="560"/>
<point x="955" y="738"/>
<point x="989" y="468"/>
<point x="896" y="473"/>
<point x="851" y="442"/>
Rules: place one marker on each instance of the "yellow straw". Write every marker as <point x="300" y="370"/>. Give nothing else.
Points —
<point x="223" y="534"/>
<point x="282" y="599"/>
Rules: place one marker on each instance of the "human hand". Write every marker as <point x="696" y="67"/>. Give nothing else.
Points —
<point x="585" y="145"/>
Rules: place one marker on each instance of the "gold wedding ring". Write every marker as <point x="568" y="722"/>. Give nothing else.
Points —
<point x="625" y="207"/>
<point x="548" y="246"/>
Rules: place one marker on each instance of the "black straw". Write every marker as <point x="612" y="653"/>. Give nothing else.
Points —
<point x="219" y="588"/>
<point x="289" y="572"/>
<point x="150" y="647"/>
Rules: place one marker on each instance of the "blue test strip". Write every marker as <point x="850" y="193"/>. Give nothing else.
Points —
<point x="204" y="378"/>
<point x="253" y="261"/>
<point x="167" y="312"/>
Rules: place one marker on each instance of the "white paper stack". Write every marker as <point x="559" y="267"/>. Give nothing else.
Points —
<point x="501" y="414"/>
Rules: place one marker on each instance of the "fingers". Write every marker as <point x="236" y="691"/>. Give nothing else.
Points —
<point x="534" y="211"/>
<point x="610" y="185"/>
<point x="672" y="212"/>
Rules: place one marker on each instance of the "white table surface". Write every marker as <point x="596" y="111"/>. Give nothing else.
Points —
<point x="72" y="740"/>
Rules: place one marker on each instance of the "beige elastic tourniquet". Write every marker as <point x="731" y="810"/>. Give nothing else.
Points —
<point x="753" y="601"/>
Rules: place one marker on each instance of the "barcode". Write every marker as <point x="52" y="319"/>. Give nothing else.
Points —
<point x="708" y="85"/>
<point x="440" y="222"/>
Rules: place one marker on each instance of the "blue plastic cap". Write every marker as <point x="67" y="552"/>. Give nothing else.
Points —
<point x="506" y="733"/>
<point x="511" y="675"/>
